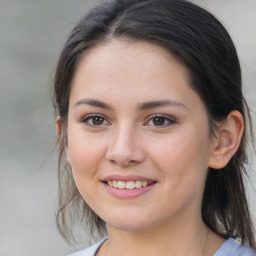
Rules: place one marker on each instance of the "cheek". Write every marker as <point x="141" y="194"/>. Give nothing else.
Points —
<point x="84" y="153"/>
<point x="85" y="156"/>
<point x="182" y="158"/>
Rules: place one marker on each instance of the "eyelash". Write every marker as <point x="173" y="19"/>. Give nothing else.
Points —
<point x="163" y="118"/>
<point x="86" y="120"/>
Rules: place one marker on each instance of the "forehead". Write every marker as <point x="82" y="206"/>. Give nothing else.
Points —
<point x="130" y="62"/>
<point x="128" y="52"/>
<point x="125" y="75"/>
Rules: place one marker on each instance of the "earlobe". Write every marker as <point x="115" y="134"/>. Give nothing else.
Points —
<point x="227" y="140"/>
<point x="58" y="124"/>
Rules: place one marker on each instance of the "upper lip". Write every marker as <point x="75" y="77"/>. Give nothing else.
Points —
<point x="127" y="178"/>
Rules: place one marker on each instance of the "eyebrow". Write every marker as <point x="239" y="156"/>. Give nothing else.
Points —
<point x="161" y="103"/>
<point x="94" y="103"/>
<point x="141" y="106"/>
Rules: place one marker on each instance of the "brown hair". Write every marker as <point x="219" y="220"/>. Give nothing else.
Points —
<point x="204" y="46"/>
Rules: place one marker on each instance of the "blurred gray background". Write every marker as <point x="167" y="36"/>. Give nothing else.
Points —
<point x="31" y="36"/>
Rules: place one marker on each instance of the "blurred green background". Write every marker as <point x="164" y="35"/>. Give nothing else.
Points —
<point x="32" y="34"/>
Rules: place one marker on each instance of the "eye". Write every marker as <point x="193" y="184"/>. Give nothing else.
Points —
<point x="95" y="120"/>
<point x="160" y="121"/>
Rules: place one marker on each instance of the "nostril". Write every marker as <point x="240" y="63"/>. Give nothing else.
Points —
<point x="123" y="163"/>
<point x="112" y="161"/>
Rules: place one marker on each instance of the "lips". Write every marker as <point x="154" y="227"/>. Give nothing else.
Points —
<point x="128" y="186"/>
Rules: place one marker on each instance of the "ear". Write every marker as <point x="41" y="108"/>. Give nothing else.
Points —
<point x="227" y="140"/>
<point x="58" y="125"/>
<point x="62" y="136"/>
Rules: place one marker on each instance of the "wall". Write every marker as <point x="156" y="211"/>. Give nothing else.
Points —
<point x="31" y="36"/>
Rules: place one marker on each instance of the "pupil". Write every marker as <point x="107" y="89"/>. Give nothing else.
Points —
<point x="158" y="121"/>
<point x="97" y="120"/>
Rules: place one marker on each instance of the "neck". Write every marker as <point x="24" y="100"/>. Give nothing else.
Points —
<point x="192" y="239"/>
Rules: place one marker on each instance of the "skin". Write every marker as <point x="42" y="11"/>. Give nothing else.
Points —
<point x="127" y="139"/>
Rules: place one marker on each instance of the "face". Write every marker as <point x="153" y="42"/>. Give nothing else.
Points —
<point x="137" y="136"/>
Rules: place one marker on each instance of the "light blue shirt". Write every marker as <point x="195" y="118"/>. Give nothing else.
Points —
<point x="229" y="248"/>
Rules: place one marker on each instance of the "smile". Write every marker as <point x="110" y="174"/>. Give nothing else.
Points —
<point x="128" y="184"/>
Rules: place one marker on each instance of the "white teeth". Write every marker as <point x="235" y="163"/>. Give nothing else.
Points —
<point x="144" y="183"/>
<point x="128" y="185"/>
<point x="114" y="184"/>
<point x="138" y="184"/>
<point x="121" y="184"/>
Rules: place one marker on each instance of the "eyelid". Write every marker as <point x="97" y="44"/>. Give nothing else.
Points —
<point x="171" y="120"/>
<point x="85" y="119"/>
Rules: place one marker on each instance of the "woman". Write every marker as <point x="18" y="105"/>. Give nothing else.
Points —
<point x="153" y="127"/>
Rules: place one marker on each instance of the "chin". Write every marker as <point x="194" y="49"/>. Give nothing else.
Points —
<point x="130" y="223"/>
<point x="131" y="227"/>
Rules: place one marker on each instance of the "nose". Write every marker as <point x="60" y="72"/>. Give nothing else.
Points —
<point x="125" y="148"/>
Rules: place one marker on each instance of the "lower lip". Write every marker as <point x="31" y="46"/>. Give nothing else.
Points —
<point x="128" y="193"/>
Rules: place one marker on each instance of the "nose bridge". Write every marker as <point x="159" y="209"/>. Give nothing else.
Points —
<point x="125" y="147"/>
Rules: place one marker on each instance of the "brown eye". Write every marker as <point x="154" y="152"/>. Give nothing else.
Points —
<point x="158" y="121"/>
<point x="95" y="120"/>
<point x="161" y="121"/>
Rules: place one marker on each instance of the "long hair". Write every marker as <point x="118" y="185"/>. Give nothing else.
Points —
<point x="202" y="44"/>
